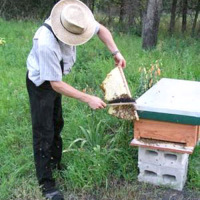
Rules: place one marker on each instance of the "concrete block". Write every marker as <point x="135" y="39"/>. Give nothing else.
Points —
<point x="149" y="173"/>
<point x="160" y="175"/>
<point x="151" y="156"/>
<point x="162" y="158"/>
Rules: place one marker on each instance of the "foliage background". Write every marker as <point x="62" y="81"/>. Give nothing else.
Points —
<point x="127" y="14"/>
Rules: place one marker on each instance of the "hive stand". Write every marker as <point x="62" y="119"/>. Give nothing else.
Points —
<point x="162" y="168"/>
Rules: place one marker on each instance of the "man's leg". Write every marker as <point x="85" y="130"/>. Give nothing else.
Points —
<point x="42" y="110"/>
<point x="58" y="126"/>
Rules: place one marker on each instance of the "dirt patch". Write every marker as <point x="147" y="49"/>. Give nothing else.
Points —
<point x="134" y="191"/>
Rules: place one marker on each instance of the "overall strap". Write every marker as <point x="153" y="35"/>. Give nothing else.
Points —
<point x="50" y="29"/>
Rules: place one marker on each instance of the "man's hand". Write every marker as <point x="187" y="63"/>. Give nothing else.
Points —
<point x="119" y="60"/>
<point x="96" y="103"/>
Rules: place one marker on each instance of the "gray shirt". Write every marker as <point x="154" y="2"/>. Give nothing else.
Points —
<point x="43" y="62"/>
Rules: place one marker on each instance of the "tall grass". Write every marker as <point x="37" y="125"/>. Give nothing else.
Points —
<point x="96" y="145"/>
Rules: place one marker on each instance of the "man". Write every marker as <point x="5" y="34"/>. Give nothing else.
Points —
<point x="71" y="23"/>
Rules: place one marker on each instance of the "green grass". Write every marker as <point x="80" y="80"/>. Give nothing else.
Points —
<point x="96" y="145"/>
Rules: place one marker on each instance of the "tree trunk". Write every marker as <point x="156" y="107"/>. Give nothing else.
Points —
<point x="142" y="8"/>
<point x="2" y="7"/>
<point x="184" y="15"/>
<point x="130" y="11"/>
<point x="173" y="16"/>
<point x="198" y="31"/>
<point x="151" y="22"/>
<point x="110" y="17"/>
<point x="122" y="11"/>
<point x="196" y="17"/>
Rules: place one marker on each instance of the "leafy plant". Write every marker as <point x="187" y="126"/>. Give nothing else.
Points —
<point x="95" y="135"/>
<point x="148" y="77"/>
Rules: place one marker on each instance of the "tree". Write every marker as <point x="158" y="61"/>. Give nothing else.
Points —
<point x="131" y="13"/>
<point x="173" y="16"/>
<point x="151" y="20"/>
<point x="26" y="8"/>
<point x="135" y="10"/>
<point x="184" y="15"/>
<point x="122" y="11"/>
<point x="196" y="17"/>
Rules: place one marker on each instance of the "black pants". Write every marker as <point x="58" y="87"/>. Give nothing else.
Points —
<point x="47" y="123"/>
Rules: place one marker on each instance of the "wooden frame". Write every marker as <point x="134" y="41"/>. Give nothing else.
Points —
<point x="167" y="131"/>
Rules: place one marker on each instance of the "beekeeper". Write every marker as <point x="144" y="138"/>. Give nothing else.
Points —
<point x="53" y="54"/>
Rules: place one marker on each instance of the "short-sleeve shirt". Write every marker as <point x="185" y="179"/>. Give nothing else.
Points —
<point x="43" y="62"/>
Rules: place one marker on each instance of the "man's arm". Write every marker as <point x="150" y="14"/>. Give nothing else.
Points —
<point x="93" y="101"/>
<point x="67" y="90"/>
<point x="106" y="37"/>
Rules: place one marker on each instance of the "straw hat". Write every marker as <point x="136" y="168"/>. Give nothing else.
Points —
<point x="72" y="22"/>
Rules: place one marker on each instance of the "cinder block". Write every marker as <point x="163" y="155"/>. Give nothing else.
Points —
<point x="149" y="173"/>
<point x="151" y="156"/>
<point x="162" y="158"/>
<point x="161" y="175"/>
<point x="175" y="160"/>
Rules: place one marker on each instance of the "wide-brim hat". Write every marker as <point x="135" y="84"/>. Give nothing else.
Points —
<point x="72" y="22"/>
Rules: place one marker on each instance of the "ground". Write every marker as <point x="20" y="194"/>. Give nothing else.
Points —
<point x="136" y="191"/>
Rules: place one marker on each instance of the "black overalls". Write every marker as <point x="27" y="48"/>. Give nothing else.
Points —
<point x="47" y="124"/>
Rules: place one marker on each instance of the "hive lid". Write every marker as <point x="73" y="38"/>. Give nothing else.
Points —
<point x="171" y="100"/>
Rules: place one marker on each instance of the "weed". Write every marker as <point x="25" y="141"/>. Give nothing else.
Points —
<point x="2" y="41"/>
<point x="148" y="77"/>
<point x="95" y="136"/>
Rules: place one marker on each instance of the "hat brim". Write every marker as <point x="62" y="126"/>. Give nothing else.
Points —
<point x="66" y="36"/>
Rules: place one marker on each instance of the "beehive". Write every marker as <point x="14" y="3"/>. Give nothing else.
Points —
<point x="169" y="116"/>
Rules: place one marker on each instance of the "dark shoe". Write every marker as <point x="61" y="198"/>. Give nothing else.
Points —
<point x="54" y="195"/>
